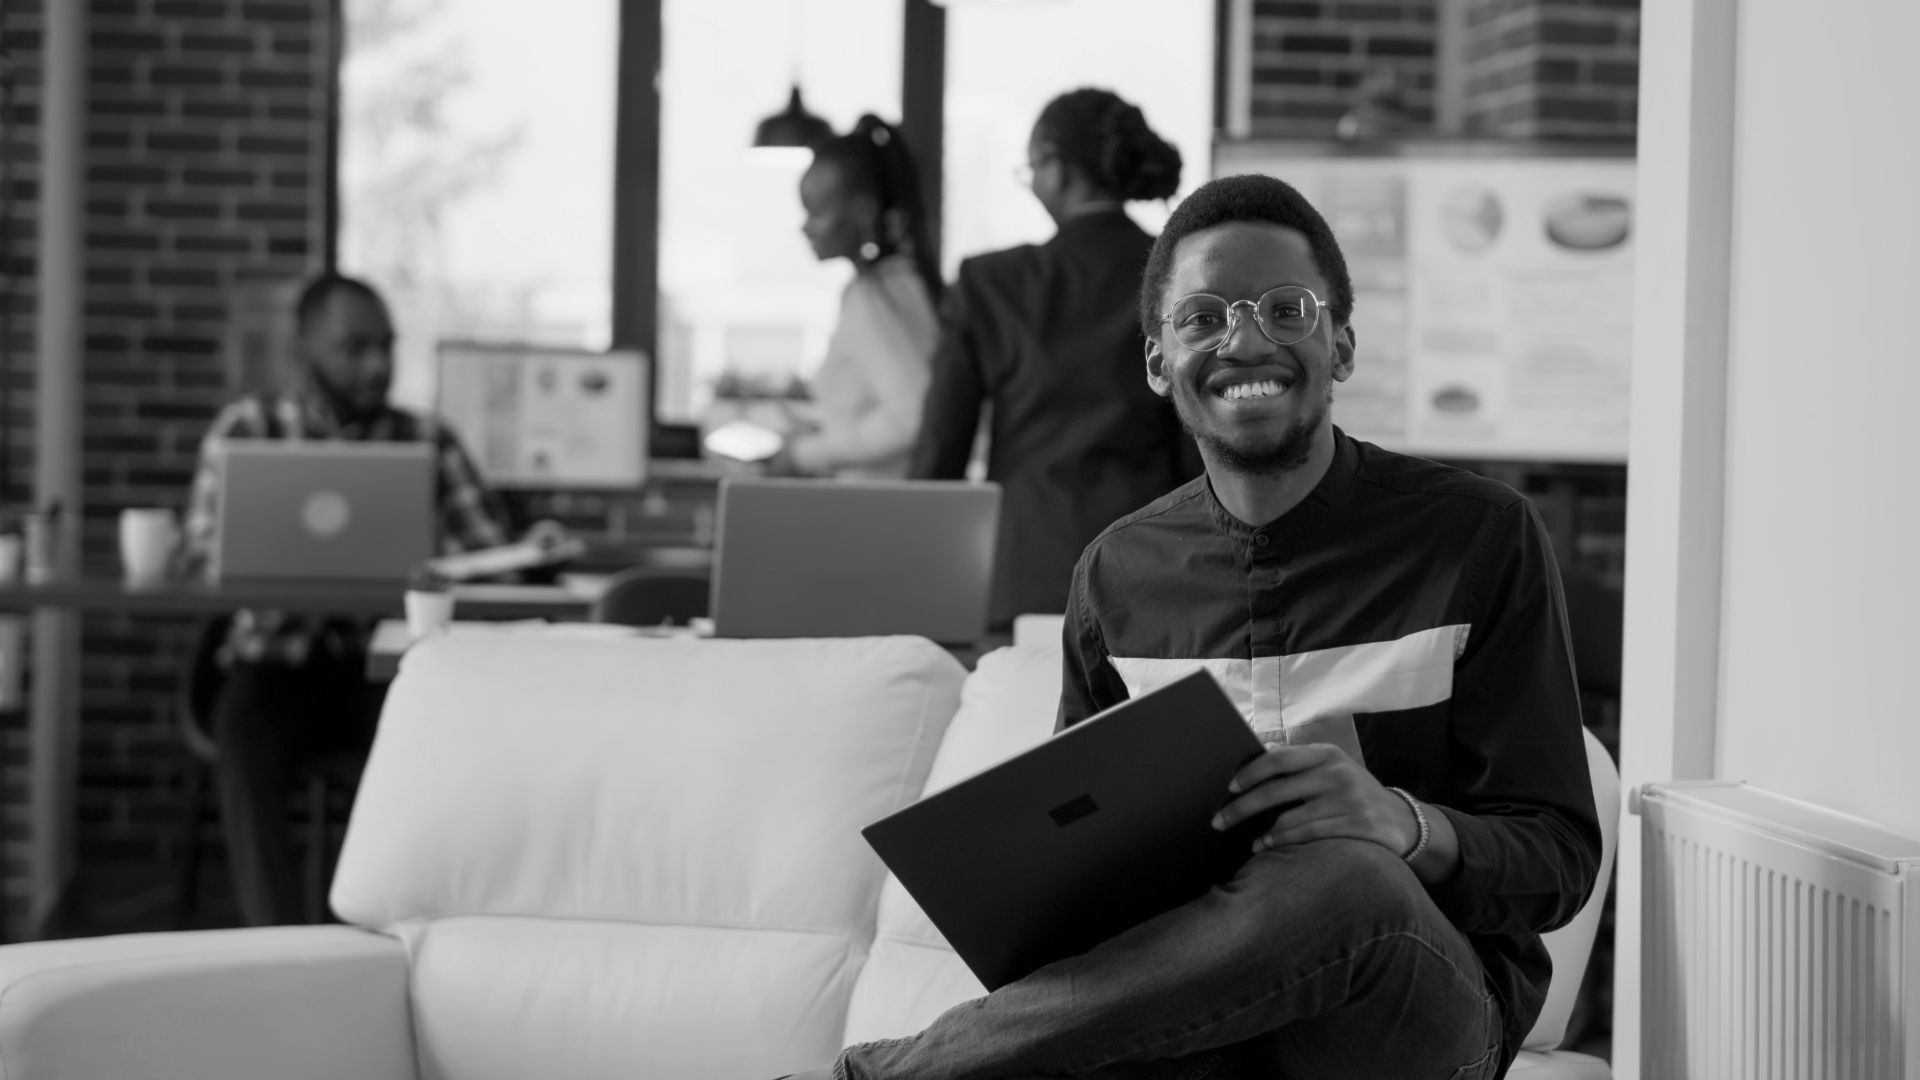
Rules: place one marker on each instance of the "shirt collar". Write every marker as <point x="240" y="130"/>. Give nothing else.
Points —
<point x="1334" y="490"/>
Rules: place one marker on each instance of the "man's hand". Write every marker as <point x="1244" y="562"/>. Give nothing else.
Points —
<point x="1328" y="794"/>
<point x="547" y="534"/>
<point x="1333" y="796"/>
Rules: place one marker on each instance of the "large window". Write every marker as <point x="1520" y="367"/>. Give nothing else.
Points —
<point x="476" y="171"/>
<point x="744" y="306"/>
<point x="1006" y="60"/>
<point x="477" y="151"/>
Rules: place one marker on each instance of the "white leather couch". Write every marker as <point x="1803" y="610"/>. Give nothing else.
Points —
<point x="586" y="858"/>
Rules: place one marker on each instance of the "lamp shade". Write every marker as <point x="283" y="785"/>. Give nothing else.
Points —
<point x="792" y="126"/>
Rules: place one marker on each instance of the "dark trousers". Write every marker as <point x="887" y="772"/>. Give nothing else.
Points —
<point x="273" y="723"/>
<point x="1323" y="960"/>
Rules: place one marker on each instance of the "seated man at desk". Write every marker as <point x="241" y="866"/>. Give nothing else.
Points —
<point x="295" y="688"/>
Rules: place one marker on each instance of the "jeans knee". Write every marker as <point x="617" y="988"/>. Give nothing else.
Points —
<point x="1365" y="882"/>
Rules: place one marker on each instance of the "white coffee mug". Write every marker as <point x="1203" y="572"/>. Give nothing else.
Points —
<point x="148" y="536"/>
<point x="428" y="613"/>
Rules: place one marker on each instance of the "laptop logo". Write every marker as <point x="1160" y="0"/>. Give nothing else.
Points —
<point x="326" y="513"/>
<point x="1073" y="810"/>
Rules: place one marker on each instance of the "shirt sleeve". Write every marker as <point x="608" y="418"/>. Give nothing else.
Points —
<point x="951" y="415"/>
<point x="890" y="344"/>
<point x="471" y="515"/>
<point x="203" y="497"/>
<point x="1088" y="682"/>
<point x="1522" y="802"/>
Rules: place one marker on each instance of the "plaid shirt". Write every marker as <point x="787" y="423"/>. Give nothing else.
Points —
<point x="470" y="515"/>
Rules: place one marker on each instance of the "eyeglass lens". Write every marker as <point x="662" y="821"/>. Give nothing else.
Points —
<point x="1286" y="315"/>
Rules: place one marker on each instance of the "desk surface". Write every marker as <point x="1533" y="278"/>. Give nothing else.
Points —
<point x="375" y="598"/>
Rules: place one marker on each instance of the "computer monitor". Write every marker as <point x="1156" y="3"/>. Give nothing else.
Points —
<point x="547" y="417"/>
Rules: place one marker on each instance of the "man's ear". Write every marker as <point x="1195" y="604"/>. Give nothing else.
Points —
<point x="1344" y="346"/>
<point x="1157" y="378"/>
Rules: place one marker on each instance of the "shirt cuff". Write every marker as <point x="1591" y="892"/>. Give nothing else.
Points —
<point x="1457" y="897"/>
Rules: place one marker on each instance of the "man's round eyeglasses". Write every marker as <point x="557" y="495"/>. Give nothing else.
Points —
<point x="1286" y="314"/>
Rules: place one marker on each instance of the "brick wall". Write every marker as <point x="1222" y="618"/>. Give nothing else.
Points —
<point x="1534" y="69"/>
<point x="204" y="176"/>
<point x="1309" y="57"/>
<point x="1553" y="68"/>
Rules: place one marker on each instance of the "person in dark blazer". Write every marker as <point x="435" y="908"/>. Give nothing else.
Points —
<point x="1045" y="338"/>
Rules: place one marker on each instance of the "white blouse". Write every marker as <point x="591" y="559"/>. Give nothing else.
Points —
<point x="873" y="381"/>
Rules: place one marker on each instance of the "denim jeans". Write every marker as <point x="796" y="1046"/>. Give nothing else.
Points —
<point x="1321" y="960"/>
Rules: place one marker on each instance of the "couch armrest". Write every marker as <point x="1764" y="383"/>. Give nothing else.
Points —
<point x="288" y="1002"/>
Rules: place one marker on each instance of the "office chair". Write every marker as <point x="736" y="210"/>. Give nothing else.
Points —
<point x="653" y="595"/>
<point x="193" y="719"/>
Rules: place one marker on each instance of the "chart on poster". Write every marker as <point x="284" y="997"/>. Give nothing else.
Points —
<point x="546" y="417"/>
<point x="1493" y="297"/>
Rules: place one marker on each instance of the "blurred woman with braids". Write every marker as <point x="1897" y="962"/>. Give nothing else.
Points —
<point x="1048" y="335"/>
<point x="862" y="201"/>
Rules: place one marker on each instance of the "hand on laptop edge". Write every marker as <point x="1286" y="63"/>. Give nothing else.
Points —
<point x="1324" y="793"/>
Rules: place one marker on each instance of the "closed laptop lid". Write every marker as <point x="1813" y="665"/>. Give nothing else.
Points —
<point x="1094" y="831"/>
<point x="323" y="509"/>
<point x="812" y="558"/>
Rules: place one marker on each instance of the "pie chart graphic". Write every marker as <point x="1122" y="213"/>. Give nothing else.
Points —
<point x="1472" y="217"/>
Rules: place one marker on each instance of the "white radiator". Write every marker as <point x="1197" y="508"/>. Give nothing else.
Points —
<point x="1779" y="939"/>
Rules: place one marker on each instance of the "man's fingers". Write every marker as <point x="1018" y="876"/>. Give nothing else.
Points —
<point x="1279" y="761"/>
<point x="1316" y="820"/>
<point x="1275" y="791"/>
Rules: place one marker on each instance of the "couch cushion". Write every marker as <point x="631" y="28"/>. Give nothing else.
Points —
<point x="1008" y="703"/>
<point x="509" y="998"/>
<point x="664" y="781"/>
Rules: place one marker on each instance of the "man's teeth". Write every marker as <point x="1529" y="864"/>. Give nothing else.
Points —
<point x="1263" y="388"/>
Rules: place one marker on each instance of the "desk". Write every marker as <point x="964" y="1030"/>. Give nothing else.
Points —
<point x="54" y="707"/>
<point x="390" y="639"/>
<point x="373" y="599"/>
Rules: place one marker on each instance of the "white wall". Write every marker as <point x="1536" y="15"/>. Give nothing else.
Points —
<point x="1773" y="597"/>
<point x="1820" y="647"/>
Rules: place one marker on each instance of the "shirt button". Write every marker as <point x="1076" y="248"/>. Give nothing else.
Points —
<point x="1260" y="539"/>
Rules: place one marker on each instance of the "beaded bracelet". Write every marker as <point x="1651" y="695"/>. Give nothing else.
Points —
<point x="1420" y="819"/>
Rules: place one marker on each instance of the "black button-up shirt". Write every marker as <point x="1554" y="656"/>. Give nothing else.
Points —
<point x="1422" y="601"/>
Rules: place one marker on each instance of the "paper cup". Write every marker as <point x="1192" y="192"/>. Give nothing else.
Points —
<point x="147" y="539"/>
<point x="428" y="613"/>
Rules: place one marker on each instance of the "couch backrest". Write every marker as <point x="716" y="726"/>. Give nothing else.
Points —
<point x="1008" y="704"/>
<point x="636" y="857"/>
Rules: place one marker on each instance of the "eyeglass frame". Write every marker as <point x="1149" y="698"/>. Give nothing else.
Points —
<point x="1233" y="317"/>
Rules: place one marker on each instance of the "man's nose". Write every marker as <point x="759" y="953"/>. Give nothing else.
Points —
<point x="1244" y="340"/>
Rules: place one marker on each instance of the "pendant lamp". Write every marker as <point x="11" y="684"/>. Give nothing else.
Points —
<point x="793" y="127"/>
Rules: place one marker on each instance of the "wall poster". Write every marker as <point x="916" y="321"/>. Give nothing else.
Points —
<point x="1493" y="294"/>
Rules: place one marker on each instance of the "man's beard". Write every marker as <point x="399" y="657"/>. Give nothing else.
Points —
<point x="1287" y="453"/>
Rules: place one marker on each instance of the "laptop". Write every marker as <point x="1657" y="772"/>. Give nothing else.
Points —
<point x="323" y="510"/>
<point x="1088" y="834"/>
<point x="813" y="558"/>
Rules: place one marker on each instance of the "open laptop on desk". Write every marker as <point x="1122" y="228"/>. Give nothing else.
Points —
<point x="814" y="558"/>
<point x="322" y="510"/>
<point x="1081" y="837"/>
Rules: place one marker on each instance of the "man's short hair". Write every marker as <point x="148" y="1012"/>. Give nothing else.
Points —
<point x="1247" y="197"/>
<point x="314" y="298"/>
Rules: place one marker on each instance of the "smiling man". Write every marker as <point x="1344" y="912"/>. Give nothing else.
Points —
<point x="1393" y="629"/>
